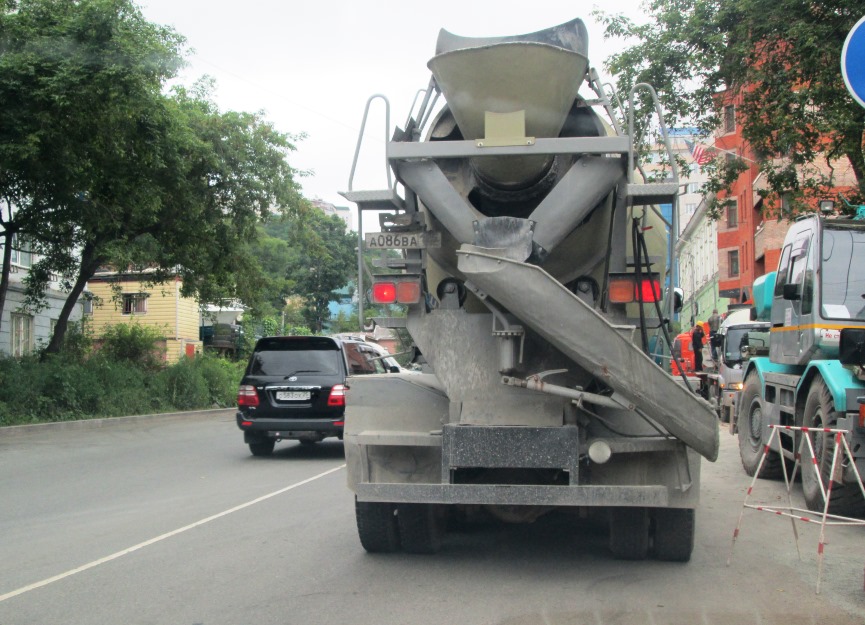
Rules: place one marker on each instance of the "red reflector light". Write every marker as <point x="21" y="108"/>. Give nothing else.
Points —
<point x="408" y="292"/>
<point x="247" y="395"/>
<point x="383" y="293"/>
<point x="246" y="424"/>
<point x="337" y="395"/>
<point x="649" y="291"/>
<point x="339" y="423"/>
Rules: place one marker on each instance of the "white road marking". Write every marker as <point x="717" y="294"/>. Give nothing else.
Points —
<point x="157" y="539"/>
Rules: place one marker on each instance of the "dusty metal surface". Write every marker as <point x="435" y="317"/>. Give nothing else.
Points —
<point x="507" y="447"/>
<point x="587" y="338"/>
<point x="512" y="495"/>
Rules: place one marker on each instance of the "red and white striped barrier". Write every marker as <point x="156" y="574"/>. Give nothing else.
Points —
<point x="801" y="514"/>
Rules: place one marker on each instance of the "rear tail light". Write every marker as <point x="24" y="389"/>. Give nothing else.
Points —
<point x="861" y="401"/>
<point x="408" y="292"/>
<point x="649" y="290"/>
<point x="624" y="289"/>
<point x="383" y="293"/>
<point x="337" y="395"/>
<point x="399" y="291"/>
<point x="247" y="396"/>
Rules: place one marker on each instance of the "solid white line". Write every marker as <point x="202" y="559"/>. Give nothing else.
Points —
<point x="157" y="539"/>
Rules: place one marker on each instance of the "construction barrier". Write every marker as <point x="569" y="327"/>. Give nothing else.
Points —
<point x="800" y="514"/>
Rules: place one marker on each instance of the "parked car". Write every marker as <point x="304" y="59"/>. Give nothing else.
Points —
<point x="293" y="389"/>
<point x="365" y="357"/>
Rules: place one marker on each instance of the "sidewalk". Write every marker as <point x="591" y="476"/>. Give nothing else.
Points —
<point x="16" y="430"/>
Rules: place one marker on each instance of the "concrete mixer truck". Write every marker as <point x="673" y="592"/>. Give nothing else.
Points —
<point x="533" y="272"/>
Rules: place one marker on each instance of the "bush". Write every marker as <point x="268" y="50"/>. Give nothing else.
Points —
<point x="60" y="389"/>
<point x="183" y="386"/>
<point x="133" y="343"/>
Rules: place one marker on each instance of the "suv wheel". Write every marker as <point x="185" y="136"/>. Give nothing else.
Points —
<point x="261" y="447"/>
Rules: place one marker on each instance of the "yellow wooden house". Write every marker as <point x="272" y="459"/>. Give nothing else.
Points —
<point x="128" y="298"/>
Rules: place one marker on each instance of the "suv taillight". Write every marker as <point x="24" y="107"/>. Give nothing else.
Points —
<point x="247" y="395"/>
<point x="337" y="395"/>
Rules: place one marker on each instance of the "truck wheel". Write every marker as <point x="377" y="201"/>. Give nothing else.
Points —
<point x="751" y="423"/>
<point x="674" y="534"/>
<point x="846" y="499"/>
<point x="262" y="447"/>
<point x="421" y="527"/>
<point x="629" y="533"/>
<point x="376" y="526"/>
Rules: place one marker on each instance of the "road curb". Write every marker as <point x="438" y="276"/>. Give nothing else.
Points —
<point x="10" y="431"/>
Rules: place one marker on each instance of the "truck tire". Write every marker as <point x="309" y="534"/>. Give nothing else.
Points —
<point x="376" y="526"/>
<point x="629" y="533"/>
<point x="674" y="534"/>
<point x="421" y="527"/>
<point x="846" y="499"/>
<point x="262" y="447"/>
<point x="751" y="423"/>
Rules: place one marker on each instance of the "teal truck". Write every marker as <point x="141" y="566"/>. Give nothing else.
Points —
<point x="813" y="376"/>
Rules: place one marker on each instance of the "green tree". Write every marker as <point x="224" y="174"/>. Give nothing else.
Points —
<point x="326" y="263"/>
<point x="72" y="72"/>
<point x="782" y="57"/>
<point x="145" y="179"/>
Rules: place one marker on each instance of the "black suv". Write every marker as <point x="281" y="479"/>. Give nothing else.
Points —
<point x="293" y="388"/>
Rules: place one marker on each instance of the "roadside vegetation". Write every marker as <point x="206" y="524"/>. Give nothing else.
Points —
<point x="123" y="375"/>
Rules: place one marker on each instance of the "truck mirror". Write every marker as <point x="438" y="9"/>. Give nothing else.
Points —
<point x="851" y="346"/>
<point x="791" y="292"/>
<point x="678" y="299"/>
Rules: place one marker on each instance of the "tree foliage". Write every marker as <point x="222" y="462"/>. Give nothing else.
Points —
<point x="326" y="263"/>
<point x="73" y="76"/>
<point x="98" y="166"/>
<point x="780" y="58"/>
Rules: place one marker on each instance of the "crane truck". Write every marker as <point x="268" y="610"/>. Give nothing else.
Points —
<point x="813" y="376"/>
<point x="532" y="271"/>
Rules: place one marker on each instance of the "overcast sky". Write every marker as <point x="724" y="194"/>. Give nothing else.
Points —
<point x="311" y="65"/>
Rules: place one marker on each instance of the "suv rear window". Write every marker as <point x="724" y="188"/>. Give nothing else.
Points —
<point x="287" y="357"/>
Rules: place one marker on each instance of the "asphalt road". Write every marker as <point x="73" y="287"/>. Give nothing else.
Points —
<point x="171" y="521"/>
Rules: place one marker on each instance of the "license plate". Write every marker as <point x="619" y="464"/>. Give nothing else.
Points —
<point x="292" y="395"/>
<point x="402" y="240"/>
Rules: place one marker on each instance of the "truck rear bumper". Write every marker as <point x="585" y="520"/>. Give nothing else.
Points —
<point x="515" y="495"/>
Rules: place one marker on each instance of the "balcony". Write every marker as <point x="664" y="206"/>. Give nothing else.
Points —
<point x="760" y="241"/>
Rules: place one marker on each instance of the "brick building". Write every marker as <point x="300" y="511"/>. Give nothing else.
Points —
<point x="749" y="240"/>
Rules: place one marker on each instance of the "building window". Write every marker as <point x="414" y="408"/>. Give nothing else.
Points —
<point x="690" y="208"/>
<point x="733" y="258"/>
<point x="22" y="334"/>
<point x="134" y="303"/>
<point x="21" y="255"/>
<point x="693" y="187"/>
<point x="729" y="119"/>
<point x="733" y="215"/>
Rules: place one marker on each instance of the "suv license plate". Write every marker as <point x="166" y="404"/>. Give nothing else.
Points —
<point x="292" y="395"/>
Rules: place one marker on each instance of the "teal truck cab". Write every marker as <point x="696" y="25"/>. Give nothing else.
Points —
<point x="813" y="376"/>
